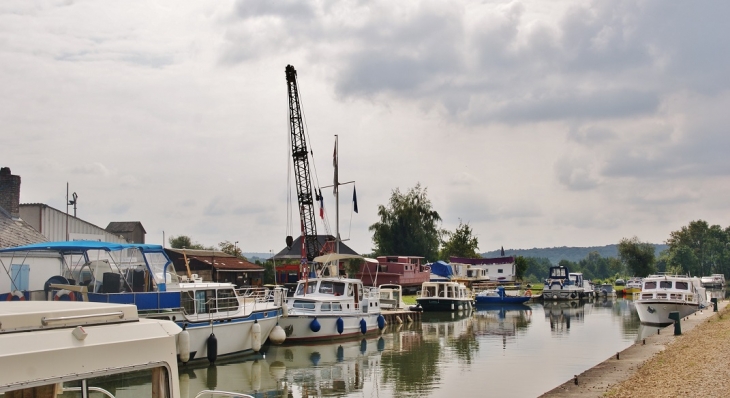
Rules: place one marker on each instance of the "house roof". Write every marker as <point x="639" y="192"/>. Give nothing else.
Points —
<point x="124" y="226"/>
<point x="16" y="232"/>
<point x="206" y="258"/>
<point x="295" y="251"/>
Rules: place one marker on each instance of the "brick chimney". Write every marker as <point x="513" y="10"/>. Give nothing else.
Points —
<point x="10" y="192"/>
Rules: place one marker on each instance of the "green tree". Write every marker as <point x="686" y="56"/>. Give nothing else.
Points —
<point x="710" y="247"/>
<point x="638" y="256"/>
<point x="408" y="226"/>
<point x="520" y="267"/>
<point x="184" y="242"/>
<point x="460" y="243"/>
<point x="232" y="249"/>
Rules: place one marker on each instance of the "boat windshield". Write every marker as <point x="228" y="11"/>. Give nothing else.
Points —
<point x="330" y="287"/>
<point x="309" y="290"/>
<point x="665" y="284"/>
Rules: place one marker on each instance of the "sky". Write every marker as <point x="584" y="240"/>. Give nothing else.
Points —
<point x="540" y="124"/>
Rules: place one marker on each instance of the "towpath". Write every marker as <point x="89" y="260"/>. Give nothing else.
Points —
<point x="695" y="364"/>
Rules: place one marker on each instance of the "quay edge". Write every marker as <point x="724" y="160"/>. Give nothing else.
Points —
<point x="602" y="378"/>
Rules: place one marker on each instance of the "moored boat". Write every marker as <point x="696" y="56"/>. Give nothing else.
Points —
<point x="328" y="308"/>
<point x="633" y="285"/>
<point x="606" y="290"/>
<point x="444" y="296"/>
<point x="559" y="286"/>
<point x="409" y="272"/>
<point x="220" y="319"/>
<point x="714" y="281"/>
<point x="663" y="294"/>
<point x="499" y="296"/>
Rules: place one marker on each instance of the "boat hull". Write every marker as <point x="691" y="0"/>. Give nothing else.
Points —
<point x="444" y="304"/>
<point x="298" y="326"/>
<point x="656" y="312"/>
<point x="481" y="300"/>
<point x="562" y="294"/>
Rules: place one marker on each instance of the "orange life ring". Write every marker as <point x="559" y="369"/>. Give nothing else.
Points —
<point x="528" y="293"/>
<point x="17" y="294"/>
<point x="61" y="293"/>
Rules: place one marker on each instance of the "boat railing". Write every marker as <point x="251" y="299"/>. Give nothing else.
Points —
<point x="671" y="295"/>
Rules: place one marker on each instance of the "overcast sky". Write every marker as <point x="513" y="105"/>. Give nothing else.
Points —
<point x="540" y="123"/>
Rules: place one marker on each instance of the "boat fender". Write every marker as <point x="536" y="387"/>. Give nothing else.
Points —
<point x="572" y="295"/>
<point x="277" y="335"/>
<point x="381" y="322"/>
<point x="452" y="306"/>
<point x="528" y="293"/>
<point x="314" y="325"/>
<point x="363" y="346"/>
<point x="284" y="310"/>
<point x="183" y="345"/>
<point x="340" y="353"/>
<point x="15" y="295"/>
<point x="256" y="335"/>
<point x="363" y="326"/>
<point x="381" y="345"/>
<point x="315" y="357"/>
<point x="340" y="325"/>
<point x="397" y="319"/>
<point x="64" y="295"/>
<point x="408" y="318"/>
<point x="212" y="345"/>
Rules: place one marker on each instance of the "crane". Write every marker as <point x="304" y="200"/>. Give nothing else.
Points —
<point x="300" y="155"/>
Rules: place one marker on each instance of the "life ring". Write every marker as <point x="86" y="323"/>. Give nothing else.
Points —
<point x="15" y="294"/>
<point x="528" y="293"/>
<point x="63" y="292"/>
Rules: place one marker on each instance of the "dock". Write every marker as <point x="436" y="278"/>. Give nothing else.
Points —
<point x="394" y="317"/>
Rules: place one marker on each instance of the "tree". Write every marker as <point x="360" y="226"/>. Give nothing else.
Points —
<point x="232" y="249"/>
<point x="520" y="267"/>
<point x="184" y="242"/>
<point x="408" y="226"/>
<point x="709" y="247"/>
<point x="638" y="256"/>
<point x="460" y="243"/>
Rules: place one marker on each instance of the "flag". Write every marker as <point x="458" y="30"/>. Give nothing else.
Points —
<point x="321" y="204"/>
<point x="354" y="198"/>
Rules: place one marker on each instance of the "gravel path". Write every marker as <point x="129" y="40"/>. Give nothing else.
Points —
<point x="696" y="364"/>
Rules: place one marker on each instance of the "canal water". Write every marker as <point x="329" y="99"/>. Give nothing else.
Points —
<point x="511" y="351"/>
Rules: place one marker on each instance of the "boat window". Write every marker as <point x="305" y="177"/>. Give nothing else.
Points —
<point x="227" y="300"/>
<point x="336" y="307"/>
<point x="650" y="285"/>
<point x="307" y="305"/>
<point x="329" y="287"/>
<point x="309" y="290"/>
<point x="204" y="301"/>
<point x="151" y="382"/>
<point x="665" y="284"/>
<point x="326" y="307"/>
<point x="430" y="291"/>
<point x="188" y="302"/>
<point x="681" y="285"/>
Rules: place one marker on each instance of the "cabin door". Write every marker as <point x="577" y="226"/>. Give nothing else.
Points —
<point x="356" y="292"/>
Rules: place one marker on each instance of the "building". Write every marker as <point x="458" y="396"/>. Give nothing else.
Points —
<point x="132" y="231"/>
<point x="499" y="269"/>
<point x="57" y="225"/>
<point x="14" y="231"/>
<point x="217" y="266"/>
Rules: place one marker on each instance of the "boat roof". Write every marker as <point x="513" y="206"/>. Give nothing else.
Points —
<point x="39" y="315"/>
<point x="81" y="246"/>
<point x="330" y="278"/>
<point x="329" y="257"/>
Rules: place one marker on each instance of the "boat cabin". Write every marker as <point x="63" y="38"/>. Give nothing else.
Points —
<point x="333" y="294"/>
<point x="407" y="271"/>
<point x="444" y="290"/>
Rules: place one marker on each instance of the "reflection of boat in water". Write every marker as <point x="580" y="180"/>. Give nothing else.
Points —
<point x="562" y="313"/>
<point x="331" y="369"/>
<point x="498" y="297"/>
<point x="501" y="320"/>
<point x="446" y="324"/>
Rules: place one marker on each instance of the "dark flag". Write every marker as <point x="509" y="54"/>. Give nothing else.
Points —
<point x="354" y="198"/>
<point x="502" y="251"/>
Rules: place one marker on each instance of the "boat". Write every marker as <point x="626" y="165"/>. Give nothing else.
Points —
<point x="559" y="286"/>
<point x="330" y="307"/>
<point x="606" y="290"/>
<point x="220" y="319"/>
<point x="578" y="280"/>
<point x="714" y="281"/>
<point x="663" y="294"/>
<point x="499" y="296"/>
<point x="444" y="296"/>
<point x="498" y="269"/>
<point x="409" y="272"/>
<point x="391" y="297"/>
<point x="633" y="285"/>
<point x="74" y="349"/>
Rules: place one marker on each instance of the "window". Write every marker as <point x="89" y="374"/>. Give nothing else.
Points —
<point x="227" y="300"/>
<point x="336" y="307"/>
<point x="188" y="302"/>
<point x="326" y="307"/>
<point x="204" y="301"/>
<point x="682" y="285"/>
<point x="650" y="285"/>
<point x="309" y="290"/>
<point x="328" y="287"/>
<point x="500" y="270"/>
<point x="665" y="284"/>
<point x="306" y="305"/>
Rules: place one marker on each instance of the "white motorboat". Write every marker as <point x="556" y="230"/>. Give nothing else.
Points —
<point x="633" y="285"/>
<point x="578" y="280"/>
<point x="559" y="286"/>
<point x="63" y="348"/>
<point x="220" y="319"/>
<point x="444" y="296"/>
<point x="606" y="290"/>
<point x="714" y="281"/>
<point x="663" y="294"/>
<point x="391" y="297"/>
<point x="327" y="308"/>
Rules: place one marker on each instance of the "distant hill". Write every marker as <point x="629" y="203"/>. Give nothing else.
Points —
<point x="252" y="257"/>
<point x="555" y="254"/>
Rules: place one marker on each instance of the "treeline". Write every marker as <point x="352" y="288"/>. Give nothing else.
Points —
<point x="574" y="254"/>
<point x="697" y="249"/>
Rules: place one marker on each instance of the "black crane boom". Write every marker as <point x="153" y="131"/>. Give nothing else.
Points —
<point x="301" y="167"/>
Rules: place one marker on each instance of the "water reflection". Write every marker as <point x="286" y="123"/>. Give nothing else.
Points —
<point x="502" y="321"/>
<point x="561" y="314"/>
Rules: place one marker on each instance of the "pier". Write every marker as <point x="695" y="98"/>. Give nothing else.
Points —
<point x="395" y="317"/>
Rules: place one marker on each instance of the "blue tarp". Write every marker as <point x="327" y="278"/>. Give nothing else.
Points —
<point x="441" y="268"/>
<point x="82" y="246"/>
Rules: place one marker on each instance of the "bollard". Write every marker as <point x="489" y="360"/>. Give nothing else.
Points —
<point x="674" y="315"/>
<point x="575" y="379"/>
<point x="617" y="356"/>
<point x="714" y="304"/>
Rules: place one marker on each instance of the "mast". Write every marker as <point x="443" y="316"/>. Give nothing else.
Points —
<point x="337" y="199"/>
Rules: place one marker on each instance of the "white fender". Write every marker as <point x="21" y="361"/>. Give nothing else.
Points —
<point x="397" y="319"/>
<point x="183" y="346"/>
<point x="277" y="335"/>
<point x="256" y="335"/>
<point x="284" y="309"/>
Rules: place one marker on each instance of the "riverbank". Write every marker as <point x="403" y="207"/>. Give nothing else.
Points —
<point x="661" y="365"/>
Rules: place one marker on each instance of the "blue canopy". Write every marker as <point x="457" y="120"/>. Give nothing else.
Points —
<point x="80" y="246"/>
<point x="441" y="268"/>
